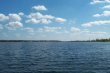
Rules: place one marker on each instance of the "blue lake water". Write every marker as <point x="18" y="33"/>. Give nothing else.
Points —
<point x="54" y="57"/>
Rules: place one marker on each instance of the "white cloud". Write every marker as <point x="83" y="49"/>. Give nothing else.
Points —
<point x="99" y="1"/>
<point x="80" y="32"/>
<point x="28" y="29"/>
<point x="105" y="13"/>
<point x="39" y="7"/>
<point x="40" y="21"/>
<point x="1" y="26"/>
<point x="106" y="7"/>
<point x="48" y="17"/>
<point x="45" y="21"/>
<point x="101" y="22"/>
<point x="21" y="13"/>
<point x="60" y="20"/>
<point x="33" y="21"/>
<point x="14" y="25"/>
<point x="49" y="29"/>
<point x="36" y="15"/>
<point x="39" y="18"/>
<point x="98" y="32"/>
<point x="3" y="17"/>
<point x="11" y="17"/>
<point x="39" y="15"/>
<point x="96" y="15"/>
<point x="14" y="17"/>
<point x="74" y="29"/>
<point x="85" y="31"/>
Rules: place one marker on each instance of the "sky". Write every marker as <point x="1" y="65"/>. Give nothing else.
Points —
<point x="66" y="20"/>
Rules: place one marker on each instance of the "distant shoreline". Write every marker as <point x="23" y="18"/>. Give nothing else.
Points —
<point x="30" y="41"/>
<point x="48" y="41"/>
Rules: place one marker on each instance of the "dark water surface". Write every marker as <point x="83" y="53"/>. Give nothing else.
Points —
<point x="54" y="57"/>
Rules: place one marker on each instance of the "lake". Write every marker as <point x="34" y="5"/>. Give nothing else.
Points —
<point x="54" y="57"/>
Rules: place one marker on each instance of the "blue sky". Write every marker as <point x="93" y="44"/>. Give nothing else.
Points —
<point x="54" y="19"/>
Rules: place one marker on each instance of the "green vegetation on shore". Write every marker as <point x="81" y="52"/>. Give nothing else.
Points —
<point x="102" y="40"/>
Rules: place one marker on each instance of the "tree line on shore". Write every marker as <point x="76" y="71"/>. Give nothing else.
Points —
<point x="101" y="40"/>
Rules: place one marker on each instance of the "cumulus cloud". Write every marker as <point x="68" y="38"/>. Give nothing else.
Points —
<point x="3" y="17"/>
<point x="49" y="29"/>
<point x="105" y="13"/>
<point x="60" y="20"/>
<point x="39" y="8"/>
<point x="45" y="21"/>
<point x="28" y="29"/>
<point x="85" y="31"/>
<point x="11" y="17"/>
<point x="48" y="17"/>
<point x="36" y="15"/>
<point x="106" y="7"/>
<point x="97" y="15"/>
<point x="21" y="13"/>
<point x="39" y="21"/>
<point x="33" y="21"/>
<point x="14" y="25"/>
<point x="13" y="20"/>
<point x="39" y="18"/>
<point x="99" y="1"/>
<point x="74" y="29"/>
<point x="101" y="22"/>
<point x="39" y="15"/>
<point x="98" y="32"/>
<point x="78" y="31"/>
<point x="14" y="17"/>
